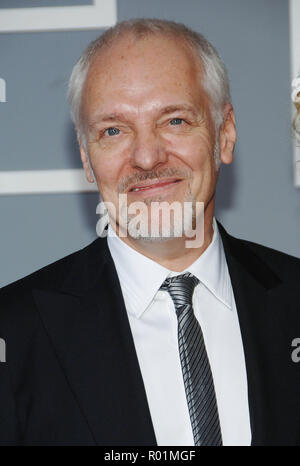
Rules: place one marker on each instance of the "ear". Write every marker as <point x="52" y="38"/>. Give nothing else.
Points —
<point x="227" y="135"/>
<point x="85" y="162"/>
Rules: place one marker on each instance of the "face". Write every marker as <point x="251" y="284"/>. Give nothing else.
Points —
<point x="148" y="126"/>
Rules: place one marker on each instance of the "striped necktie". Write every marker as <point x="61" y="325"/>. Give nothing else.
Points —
<point x="196" y="371"/>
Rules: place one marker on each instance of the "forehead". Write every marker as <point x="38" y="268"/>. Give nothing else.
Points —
<point x="142" y="69"/>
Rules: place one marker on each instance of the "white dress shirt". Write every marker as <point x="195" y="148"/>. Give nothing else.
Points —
<point x="153" y="323"/>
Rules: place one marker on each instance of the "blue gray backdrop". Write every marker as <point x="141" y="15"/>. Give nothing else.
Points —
<point x="256" y="198"/>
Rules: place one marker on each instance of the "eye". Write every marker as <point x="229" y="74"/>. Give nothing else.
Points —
<point x="112" y="131"/>
<point x="176" y="121"/>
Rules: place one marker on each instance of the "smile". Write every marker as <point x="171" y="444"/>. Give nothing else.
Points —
<point x="157" y="184"/>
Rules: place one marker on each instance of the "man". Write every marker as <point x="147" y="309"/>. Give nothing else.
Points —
<point x="142" y="339"/>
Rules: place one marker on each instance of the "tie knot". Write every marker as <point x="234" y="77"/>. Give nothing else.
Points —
<point x="181" y="288"/>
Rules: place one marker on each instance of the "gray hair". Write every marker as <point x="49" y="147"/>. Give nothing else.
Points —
<point x="215" y="80"/>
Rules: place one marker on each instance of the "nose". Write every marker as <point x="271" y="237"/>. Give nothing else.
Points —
<point x="148" y="151"/>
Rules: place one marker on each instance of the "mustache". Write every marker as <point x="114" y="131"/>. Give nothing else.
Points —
<point x="130" y="180"/>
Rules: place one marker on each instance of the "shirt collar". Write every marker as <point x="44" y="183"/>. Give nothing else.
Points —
<point x="140" y="277"/>
<point x="211" y="269"/>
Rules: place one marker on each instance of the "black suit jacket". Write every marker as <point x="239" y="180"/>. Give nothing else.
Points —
<point x="71" y="375"/>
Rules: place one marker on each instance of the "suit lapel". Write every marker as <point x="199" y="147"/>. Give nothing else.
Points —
<point x="88" y="325"/>
<point x="253" y="285"/>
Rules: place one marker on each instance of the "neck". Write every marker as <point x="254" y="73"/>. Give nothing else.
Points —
<point x="173" y="253"/>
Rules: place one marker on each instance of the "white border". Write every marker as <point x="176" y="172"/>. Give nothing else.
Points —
<point x="2" y="90"/>
<point x="294" y="7"/>
<point x="102" y="14"/>
<point x="44" y="181"/>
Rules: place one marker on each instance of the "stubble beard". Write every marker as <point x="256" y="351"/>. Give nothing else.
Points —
<point x="168" y="228"/>
<point x="178" y="227"/>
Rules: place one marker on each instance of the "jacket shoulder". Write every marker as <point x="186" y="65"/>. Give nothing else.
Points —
<point x="50" y="277"/>
<point x="286" y="266"/>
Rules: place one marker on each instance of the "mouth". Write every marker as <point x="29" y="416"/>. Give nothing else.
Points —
<point x="151" y="185"/>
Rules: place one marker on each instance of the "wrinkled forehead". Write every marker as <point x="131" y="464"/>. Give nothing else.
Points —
<point x="154" y="62"/>
<point x="149" y="49"/>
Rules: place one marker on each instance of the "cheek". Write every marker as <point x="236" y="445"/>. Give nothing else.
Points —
<point x="107" y="171"/>
<point x="198" y="154"/>
<point x="108" y="162"/>
<point x="102" y="157"/>
<point x="196" y="151"/>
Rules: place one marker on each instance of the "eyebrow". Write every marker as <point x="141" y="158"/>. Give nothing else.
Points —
<point x="102" y="117"/>
<point x="108" y="117"/>
<point x="178" y="108"/>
